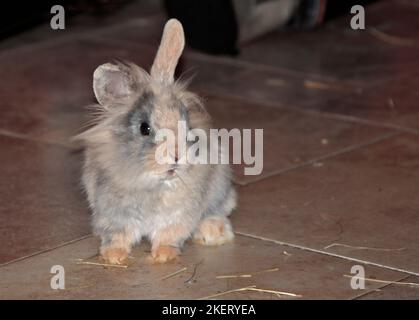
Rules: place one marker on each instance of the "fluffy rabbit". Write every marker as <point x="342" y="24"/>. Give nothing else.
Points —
<point x="130" y="194"/>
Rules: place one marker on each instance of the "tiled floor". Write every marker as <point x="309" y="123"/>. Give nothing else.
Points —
<point x="341" y="161"/>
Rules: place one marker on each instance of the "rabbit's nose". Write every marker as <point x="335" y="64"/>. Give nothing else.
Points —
<point x="176" y="159"/>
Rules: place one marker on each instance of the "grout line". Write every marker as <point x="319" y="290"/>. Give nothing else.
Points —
<point x="372" y="123"/>
<point x="259" y="67"/>
<point x="335" y="255"/>
<point x="379" y="288"/>
<point x="325" y="157"/>
<point x="311" y="112"/>
<point x="46" y="250"/>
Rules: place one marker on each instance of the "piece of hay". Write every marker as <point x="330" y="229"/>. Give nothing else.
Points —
<point x="266" y="270"/>
<point x="413" y="284"/>
<point x="278" y="293"/>
<point x="245" y="275"/>
<point x="81" y="287"/>
<point x="316" y="85"/>
<point x="252" y="288"/>
<point x="89" y="258"/>
<point x="391" y="39"/>
<point x="361" y="248"/>
<point x="174" y="273"/>
<point x="225" y="292"/>
<point x="229" y="276"/>
<point x="103" y="264"/>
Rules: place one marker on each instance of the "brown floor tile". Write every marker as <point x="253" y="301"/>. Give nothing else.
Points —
<point x="147" y="31"/>
<point x="41" y="205"/>
<point x="311" y="275"/>
<point x="268" y="86"/>
<point x="337" y="51"/>
<point x="365" y="198"/>
<point x="290" y="138"/>
<point x="49" y="86"/>
<point x="371" y="77"/>
<point x="396" y="291"/>
<point x="393" y="104"/>
<point x="405" y="28"/>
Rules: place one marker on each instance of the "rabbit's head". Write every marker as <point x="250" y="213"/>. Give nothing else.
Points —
<point x="135" y="105"/>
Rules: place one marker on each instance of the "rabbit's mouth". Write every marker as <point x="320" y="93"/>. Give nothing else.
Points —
<point x="172" y="172"/>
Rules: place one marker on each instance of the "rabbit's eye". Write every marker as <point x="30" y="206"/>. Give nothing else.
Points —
<point x="145" y="129"/>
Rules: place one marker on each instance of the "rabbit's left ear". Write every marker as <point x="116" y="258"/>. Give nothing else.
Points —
<point x="168" y="54"/>
<point x="115" y="83"/>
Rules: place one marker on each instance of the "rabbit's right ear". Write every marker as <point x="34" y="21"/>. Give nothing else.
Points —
<point x="114" y="83"/>
<point x="168" y="54"/>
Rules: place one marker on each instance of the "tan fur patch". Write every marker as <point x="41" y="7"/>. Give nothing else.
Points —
<point x="171" y="235"/>
<point x="119" y="248"/>
<point x="114" y="255"/>
<point x="164" y="254"/>
<point x="214" y="231"/>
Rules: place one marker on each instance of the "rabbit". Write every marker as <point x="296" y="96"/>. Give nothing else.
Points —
<point x="131" y="196"/>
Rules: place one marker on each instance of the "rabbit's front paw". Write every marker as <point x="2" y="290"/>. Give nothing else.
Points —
<point x="114" y="255"/>
<point x="164" y="254"/>
<point x="214" y="231"/>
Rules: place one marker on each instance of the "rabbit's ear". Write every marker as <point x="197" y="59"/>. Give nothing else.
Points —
<point x="114" y="83"/>
<point x="171" y="47"/>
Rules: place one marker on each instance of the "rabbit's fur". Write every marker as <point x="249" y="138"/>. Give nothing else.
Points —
<point x="130" y="194"/>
